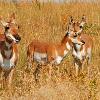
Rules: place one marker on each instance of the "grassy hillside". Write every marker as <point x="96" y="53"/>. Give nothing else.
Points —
<point x="47" y="22"/>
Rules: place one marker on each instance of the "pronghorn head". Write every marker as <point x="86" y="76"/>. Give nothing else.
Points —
<point x="75" y="28"/>
<point x="11" y="30"/>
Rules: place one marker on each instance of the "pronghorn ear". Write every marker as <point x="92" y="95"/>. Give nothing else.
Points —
<point x="71" y="20"/>
<point x="83" y="21"/>
<point x="3" y="22"/>
<point x="12" y="18"/>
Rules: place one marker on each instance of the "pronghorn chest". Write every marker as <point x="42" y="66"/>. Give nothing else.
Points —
<point x="78" y="51"/>
<point x="8" y="61"/>
<point x="7" y="54"/>
<point x="59" y="56"/>
<point x="77" y="47"/>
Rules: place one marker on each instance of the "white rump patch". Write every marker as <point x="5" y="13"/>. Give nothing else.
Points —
<point x="58" y="59"/>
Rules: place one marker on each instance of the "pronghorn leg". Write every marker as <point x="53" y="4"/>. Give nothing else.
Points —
<point x="50" y="65"/>
<point x="10" y="79"/>
<point x="89" y="52"/>
<point x="30" y="60"/>
<point x="77" y="69"/>
<point x="5" y="78"/>
<point x="78" y="66"/>
<point x="83" y="64"/>
<point x="36" y="72"/>
<point x="88" y="63"/>
<point x="50" y="70"/>
<point x="88" y="60"/>
<point x="58" y="71"/>
<point x="49" y="74"/>
<point x="1" y="77"/>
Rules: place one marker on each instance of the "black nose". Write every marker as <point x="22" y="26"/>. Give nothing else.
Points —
<point x="75" y="35"/>
<point x="17" y="37"/>
<point x="6" y="28"/>
<point x="83" y="41"/>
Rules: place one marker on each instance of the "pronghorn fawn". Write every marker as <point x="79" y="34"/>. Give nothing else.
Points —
<point x="81" y="53"/>
<point x="49" y="52"/>
<point x="8" y="51"/>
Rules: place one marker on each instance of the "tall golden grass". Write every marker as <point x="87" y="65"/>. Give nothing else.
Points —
<point x="48" y="23"/>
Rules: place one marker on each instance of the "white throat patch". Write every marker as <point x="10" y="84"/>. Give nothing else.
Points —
<point x="8" y="45"/>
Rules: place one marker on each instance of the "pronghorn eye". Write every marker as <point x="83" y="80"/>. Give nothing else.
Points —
<point x="81" y="27"/>
<point x="18" y="27"/>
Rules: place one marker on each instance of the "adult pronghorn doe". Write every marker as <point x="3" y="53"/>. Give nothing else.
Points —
<point x="81" y="53"/>
<point x="49" y="52"/>
<point x="8" y="50"/>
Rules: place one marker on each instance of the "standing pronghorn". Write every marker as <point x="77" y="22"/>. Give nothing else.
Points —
<point x="48" y="52"/>
<point x="8" y="50"/>
<point x="81" y="53"/>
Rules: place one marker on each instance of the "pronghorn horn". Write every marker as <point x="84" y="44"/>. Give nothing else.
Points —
<point x="83" y="21"/>
<point x="3" y="22"/>
<point x="84" y="18"/>
<point x="71" y="19"/>
<point x="12" y="18"/>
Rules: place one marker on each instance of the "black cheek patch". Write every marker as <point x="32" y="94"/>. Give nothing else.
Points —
<point x="67" y="34"/>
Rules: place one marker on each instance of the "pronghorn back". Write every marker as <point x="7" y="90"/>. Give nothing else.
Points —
<point x="38" y="46"/>
<point x="52" y="52"/>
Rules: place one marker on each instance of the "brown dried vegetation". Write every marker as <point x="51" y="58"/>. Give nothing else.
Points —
<point x="48" y="24"/>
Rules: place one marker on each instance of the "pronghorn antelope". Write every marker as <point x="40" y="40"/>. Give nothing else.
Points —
<point x="8" y="50"/>
<point x="49" y="52"/>
<point x="81" y="53"/>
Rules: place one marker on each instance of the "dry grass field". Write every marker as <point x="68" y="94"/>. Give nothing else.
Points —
<point x="47" y="22"/>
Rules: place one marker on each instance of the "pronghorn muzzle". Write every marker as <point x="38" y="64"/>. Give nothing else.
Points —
<point x="17" y="38"/>
<point x="13" y="38"/>
<point x="83" y="42"/>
